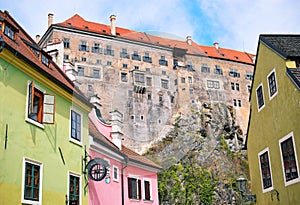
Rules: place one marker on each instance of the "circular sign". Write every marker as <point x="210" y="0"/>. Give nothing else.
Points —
<point x="97" y="169"/>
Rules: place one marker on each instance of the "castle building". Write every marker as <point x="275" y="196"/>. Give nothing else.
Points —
<point x="148" y="78"/>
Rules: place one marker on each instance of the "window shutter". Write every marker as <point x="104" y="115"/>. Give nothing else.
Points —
<point x="139" y="189"/>
<point x="129" y="188"/>
<point x="49" y="109"/>
<point x="147" y="190"/>
<point x="30" y="98"/>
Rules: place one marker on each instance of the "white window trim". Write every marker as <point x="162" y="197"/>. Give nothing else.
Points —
<point x="262" y="87"/>
<point x="115" y="179"/>
<point x="271" y="97"/>
<point x="261" y="177"/>
<point x="26" y="201"/>
<point x="143" y="189"/>
<point x="137" y="178"/>
<point x="26" y="110"/>
<point x="80" y="185"/>
<point x="291" y="134"/>
<point x="70" y="128"/>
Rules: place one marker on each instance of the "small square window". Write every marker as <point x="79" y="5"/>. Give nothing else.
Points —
<point x="163" y="72"/>
<point x="66" y="57"/>
<point x="182" y="80"/>
<point x="148" y="70"/>
<point x="98" y="61"/>
<point x="108" y="63"/>
<point x="83" y="59"/>
<point x="124" y="65"/>
<point x="136" y="67"/>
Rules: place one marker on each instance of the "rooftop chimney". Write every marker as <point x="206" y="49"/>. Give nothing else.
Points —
<point x="189" y="40"/>
<point x="116" y="122"/>
<point x="50" y="19"/>
<point x="113" y="24"/>
<point x="216" y="45"/>
<point x="37" y="38"/>
<point x="95" y="100"/>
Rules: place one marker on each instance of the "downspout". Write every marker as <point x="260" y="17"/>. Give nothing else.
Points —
<point x="122" y="178"/>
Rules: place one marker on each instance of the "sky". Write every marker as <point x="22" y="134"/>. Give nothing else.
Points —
<point x="234" y="24"/>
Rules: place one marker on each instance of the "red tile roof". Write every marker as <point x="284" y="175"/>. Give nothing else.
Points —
<point x="77" y="22"/>
<point x="132" y="155"/>
<point x="20" y="46"/>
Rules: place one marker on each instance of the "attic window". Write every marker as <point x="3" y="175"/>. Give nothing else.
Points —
<point x="104" y="31"/>
<point x="9" y="32"/>
<point x="222" y="54"/>
<point x="118" y="34"/>
<point x="69" y="24"/>
<point x="45" y="60"/>
<point x="236" y="57"/>
<point x="205" y="52"/>
<point x="86" y="27"/>
<point x="140" y="38"/>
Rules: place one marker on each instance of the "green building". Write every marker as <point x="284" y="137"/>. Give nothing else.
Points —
<point x="43" y="125"/>
<point x="273" y="141"/>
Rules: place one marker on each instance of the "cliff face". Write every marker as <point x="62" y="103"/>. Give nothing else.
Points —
<point x="209" y="136"/>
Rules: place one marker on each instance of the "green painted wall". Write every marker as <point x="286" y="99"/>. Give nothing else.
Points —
<point x="28" y="140"/>
<point x="279" y="117"/>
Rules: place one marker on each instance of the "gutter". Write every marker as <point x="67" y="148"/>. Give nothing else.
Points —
<point x="122" y="178"/>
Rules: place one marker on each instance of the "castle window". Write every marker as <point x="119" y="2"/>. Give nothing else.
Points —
<point x="234" y="73"/>
<point x="124" y="77"/>
<point x="218" y="70"/>
<point x="249" y="75"/>
<point x="136" y="56"/>
<point x="66" y="43"/>
<point x="96" y="73"/>
<point x="205" y="68"/>
<point x="163" y="61"/>
<point x="80" y="71"/>
<point x="96" y="48"/>
<point x="164" y="84"/>
<point x="147" y="58"/>
<point x="108" y="51"/>
<point x="124" y="54"/>
<point x="83" y="46"/>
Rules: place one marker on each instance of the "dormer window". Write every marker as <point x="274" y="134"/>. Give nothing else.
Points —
<point x="9" y="32"/>
<point x="45" y="60"/>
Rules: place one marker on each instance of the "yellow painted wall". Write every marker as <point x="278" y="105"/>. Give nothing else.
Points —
<point x="279" y="117"/>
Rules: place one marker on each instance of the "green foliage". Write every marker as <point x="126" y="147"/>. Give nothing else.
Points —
<point x="186" y="183"/>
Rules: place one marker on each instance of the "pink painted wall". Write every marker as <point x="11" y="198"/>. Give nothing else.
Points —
<point x="102" y="127"/>
<point x="142" y="174"/>
<point x="101" y="193"/>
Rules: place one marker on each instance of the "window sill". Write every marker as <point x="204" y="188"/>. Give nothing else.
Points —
<point x="79" y="143"/>
<point x="148" y="201"/>
<point x="135" y="200"/>
<point x="35" y="123"/>
<point x="29" y="202"/>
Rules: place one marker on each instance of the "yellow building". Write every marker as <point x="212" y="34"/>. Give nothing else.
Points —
<point x="273" y="140"/>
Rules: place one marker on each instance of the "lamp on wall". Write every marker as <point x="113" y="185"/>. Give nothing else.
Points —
<point x="242" y="182"/>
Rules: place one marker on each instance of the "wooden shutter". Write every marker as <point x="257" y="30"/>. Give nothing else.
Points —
<point x="147" y="190"/>
<point x="129" y="188"/>
<point x="49" y="109"/>
<point x="139" y="191"/>
<point x="30" y="98"/>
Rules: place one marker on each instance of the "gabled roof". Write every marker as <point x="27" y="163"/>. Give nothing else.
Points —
<point x="22" y="46"/>
<point x="125" y="151"/>
<point x="286" y="45"/>
<point x="77" y="22"/>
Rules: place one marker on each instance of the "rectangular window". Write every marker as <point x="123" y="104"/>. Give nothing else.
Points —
<point x="149" y="81"/>
<point x="45" y="60"/>
<point x="163" y="61"/>
<point x="165" y="84"/>
<point x="108" y="51"/>
<point x="83" y="46"/>
<point x="190" y="79"/>
<point x="99" y="61"/>
<point x="124" y="54"/>
<point x="66" y="43"/>
<point x="191" y="91"/>
<point x="265" y="170"/>
<point x="40" y="106"/>
<point x="148" y="70"/>
<point x="189" y="66"/>
<point x="232" y="86"/>
<point x="249" y="75"/>
<point x="237" y="86"/>
<point x="80" y="71"/>
<point x="218" y="70"/>
<point x="124" y="65"/>
<point x="108" y="63"/>
<point x="234" y="73"/>
<point x="116" y="173"/>
<point x="234" y="102"/>
<point x="289" y="159"/>
<point x="66" y="57"/>
<point x="147" y="190"/>
<point x="205" y="68"/>
<point x="213" y="84"/>
<point x="136" y="56"/>
<point x="163" y="72"/>
<point x="76" y="126"/>
<point x="249" y="88"/>
<point x="96" y="73"/>
<point x="136" y="67"/>
<point x="134" y="188"/>
<point x="96" y="48"/>
<point x="147" y="58"/>
<point x="149" y="96"/>
<point x="272" y="84"/>
<point x="32" y="182"/>
<point x="83" y="59"/>
<point x="139" y="77"/>
<point x="124" y="77"/>
<point x="239" y="103"/>
<point x="260" y="97"/>
<point x="74" y="189"/>
<point x="182" y="80"/>
<point x="9" y="32"/>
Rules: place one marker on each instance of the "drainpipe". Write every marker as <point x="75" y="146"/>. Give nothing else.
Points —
<point x="122" y="178"/>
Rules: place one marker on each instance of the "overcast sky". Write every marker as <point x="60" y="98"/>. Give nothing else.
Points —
<point x="234" y="24"/>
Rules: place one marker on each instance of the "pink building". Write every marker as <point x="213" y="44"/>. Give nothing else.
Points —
<point x="131" y="179"/>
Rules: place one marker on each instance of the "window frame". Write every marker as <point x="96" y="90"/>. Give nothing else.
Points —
<point x="34" y="162"/>
<point x="264" y="190"/>
<point x="144" y="190"/>
<point x="116" y="179"/>
<point x="295" y="180"/>
<point x="32" y="88"/>
<point x="257" y="101"/>
<point x="70" y="173"/>
<point x="74" y="140"/>
<point x="123" y="77"/>
<point x="138" y="187"/>
<point x="164" y="83"/>
<point x="269" y="91"/>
